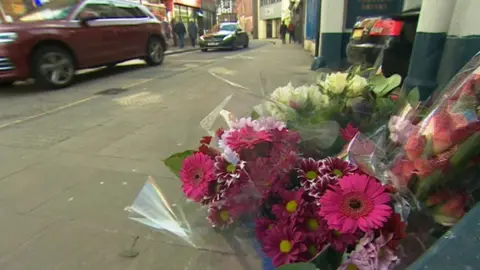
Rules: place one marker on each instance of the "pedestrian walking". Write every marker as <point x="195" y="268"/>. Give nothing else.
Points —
<point x="174" y="36"/>
<point x="291" y="32"/>
<point x="283" y="32"/>
<point x="192" y="32"/>
<point x="180" y="31"/>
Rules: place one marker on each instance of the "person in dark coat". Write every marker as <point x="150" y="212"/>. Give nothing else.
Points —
<point x="283" y="31"/>
<point x="192" y="32"/>
<point x="180" y="31"/>
<point x="291" y="32"/>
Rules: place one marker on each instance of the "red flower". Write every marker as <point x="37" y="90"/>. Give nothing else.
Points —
<point x="449" y="206"/>
<point x="394" y="97"/>
<point x="349" y="132"/>
<point x="423" y="167"/>
<point x="206" y="140"/>
<point x="403" y="169"/>
<point x="397" y="227"/>
<point x="247" y="138"/>
<point x="415" y="146"/>
<point x="219" y="132"/>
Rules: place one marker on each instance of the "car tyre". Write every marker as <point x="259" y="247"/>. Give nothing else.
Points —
<point x="111" y="65"/>
<point x="155" y="51"/>
<point x="6" y="83"/>
<point x="53" y="67"/>
<point x="204" y="50"/>
<point x="246" y="44"/>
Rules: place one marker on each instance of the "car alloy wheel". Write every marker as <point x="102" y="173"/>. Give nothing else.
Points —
<point x="155" y="52"/>
<point x="55" y="68"/>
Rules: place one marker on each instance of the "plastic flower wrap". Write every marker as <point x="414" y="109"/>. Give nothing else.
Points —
<point x="266" y="181"/>
<point x="442" y="151"/>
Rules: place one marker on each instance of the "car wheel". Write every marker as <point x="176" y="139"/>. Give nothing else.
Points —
<point x="246" y="44"/>
<point x="111" y="65"/>
<point x="205" y="50"/>
<point x="6" y="83"/>
<point x="53" y="67"/>
<point x="155" y="52"/>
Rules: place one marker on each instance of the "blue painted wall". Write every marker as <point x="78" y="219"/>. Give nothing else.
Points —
<point x="311" y="20"/>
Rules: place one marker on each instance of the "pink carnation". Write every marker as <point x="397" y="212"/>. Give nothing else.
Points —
<point x="196" y="174"/>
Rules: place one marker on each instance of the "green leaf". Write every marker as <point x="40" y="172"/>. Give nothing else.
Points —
<point x="297" y="266"/>
<point x="382" y="86"/>
<point x="413" y="97"/>
<point x="174" y="162"/>
<point x="255" y="115"/>
<point x="329" y="259"/>
<point x="385" y="106"/>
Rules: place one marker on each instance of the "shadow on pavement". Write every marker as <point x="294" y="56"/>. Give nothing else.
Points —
<point x="82" y="78"/>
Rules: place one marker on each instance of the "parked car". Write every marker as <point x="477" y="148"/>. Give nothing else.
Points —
<point x="393" y="34"/>
<point x="226" y="36"/>
<point x="52" y="42"/>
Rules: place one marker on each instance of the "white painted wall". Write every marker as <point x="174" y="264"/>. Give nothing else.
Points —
<point x="333" y="16"/>
<point x="435" y="15"/>
<point x="466" y="18"/>
<point x="409" y="4"/>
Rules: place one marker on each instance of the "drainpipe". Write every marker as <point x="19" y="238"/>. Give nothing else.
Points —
<point x="317" y="38"/>
<point x="433" y="24"/>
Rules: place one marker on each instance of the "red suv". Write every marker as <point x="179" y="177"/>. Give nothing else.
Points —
<point x="51" y="42"/>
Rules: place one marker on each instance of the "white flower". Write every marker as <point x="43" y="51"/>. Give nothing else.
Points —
<point x="230" y="156"/>
<point x="356" y="86"/>
<point x="317" y="98"/>
<point x="336" y="82"/>
<point x="222" y="143"/>
<point x="283" y="94"/>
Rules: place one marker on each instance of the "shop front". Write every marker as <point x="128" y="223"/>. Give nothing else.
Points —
<point x="157" y="7"/>
<point x="186" y="10"/>
<point x="207" y="16"/>
<point x="270" y="15"/>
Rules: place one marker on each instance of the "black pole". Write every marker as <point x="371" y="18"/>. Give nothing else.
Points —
<point x="317" y="38"/>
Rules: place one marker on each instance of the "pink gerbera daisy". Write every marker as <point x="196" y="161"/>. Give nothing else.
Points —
<point x="247" y="138"/>
<point x="284" y="244"/>
<point x="290" y="205"/>
<point x="308" y="172"/>
<point x="359" y="202"/>
<point x="196" y="174"/>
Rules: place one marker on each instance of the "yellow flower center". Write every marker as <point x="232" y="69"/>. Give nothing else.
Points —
<point x="311" y="175"/>
<point x="337" y="173"/>
<point x="336" y="233"/>
<point x="224" y="215"/>
<point x="285" y="246"/>
<point x="351" y="266"/>
<point x="270" y="227"/>
<point x="312" y="225"/>
<point x="312" y="250"/>
<point x="291" y="206"/>
<point x="230" y="168"/>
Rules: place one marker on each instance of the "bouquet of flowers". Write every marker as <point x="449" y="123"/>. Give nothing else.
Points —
<point x="328" y="114"/>
<point x="441" y="152"/>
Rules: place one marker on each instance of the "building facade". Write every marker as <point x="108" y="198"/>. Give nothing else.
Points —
<point x="225" y="7"/>
<point x="244" y="11"/>
<point x="269" y="18"/>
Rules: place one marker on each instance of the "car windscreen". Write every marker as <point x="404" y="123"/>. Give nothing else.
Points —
<point x="228" y="27"/>
<point x="55" y="10"/>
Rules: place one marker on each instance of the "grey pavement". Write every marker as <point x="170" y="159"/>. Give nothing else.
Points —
<point x="72" y="160"/>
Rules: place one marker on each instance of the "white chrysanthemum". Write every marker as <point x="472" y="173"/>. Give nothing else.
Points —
<point x="317" y="98"/>
<point x="230" y="156"/>
<point x="283" y="94"/>
<point x="222" y="143"/>
<point x="356" y="86"/>
<point x="336" y="82"/>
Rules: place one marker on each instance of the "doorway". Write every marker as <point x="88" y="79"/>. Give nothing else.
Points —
<point x="269" y="29"/>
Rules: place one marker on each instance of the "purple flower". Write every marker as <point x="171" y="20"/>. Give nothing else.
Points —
<point x="371" y="254"/>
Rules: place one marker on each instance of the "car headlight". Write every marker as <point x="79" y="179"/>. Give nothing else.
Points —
<point x="8" y="37"/>
<point x="228" y="36"/>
